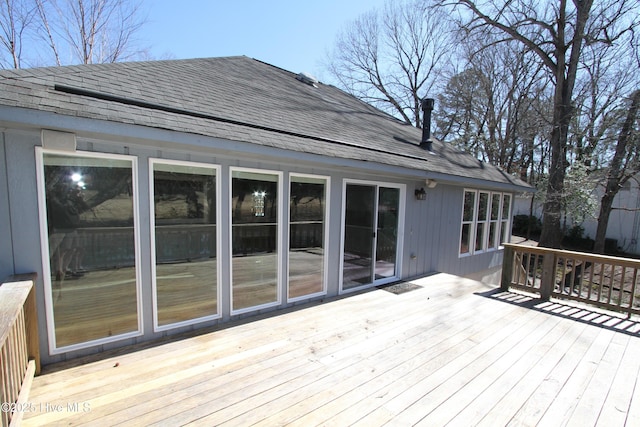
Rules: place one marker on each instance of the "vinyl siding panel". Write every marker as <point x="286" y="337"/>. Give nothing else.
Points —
<point x="430" y="239"/>
<point x="6" y="250"/>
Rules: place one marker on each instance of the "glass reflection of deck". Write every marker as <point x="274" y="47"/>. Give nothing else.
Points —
<point x="103" y="303"/>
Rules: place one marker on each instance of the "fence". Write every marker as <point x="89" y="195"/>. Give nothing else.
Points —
<point x="604" y="281"/>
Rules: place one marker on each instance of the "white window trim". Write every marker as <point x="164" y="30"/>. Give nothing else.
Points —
<point x="399" y="243"/>
<point x="507" y="220"/>
<point x="497" y="222"/>
<point x="44" y="240"/>
<point x="474" y="223"/>
<point x="325" y="262"/>
<point x="152" y="222"/>
<point x="485" y="221"/>
<point x="279" y="245"/>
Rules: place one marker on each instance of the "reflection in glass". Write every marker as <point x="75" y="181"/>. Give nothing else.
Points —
<point x="493" y="224"/>
<point x="495" y="207"/>
<point x="254" y="231"/>
<point x="505" y="217"/>
<point x="358" y="236"/>
<point x="464" y="240"/>
<point x="90" y="220"/>
<point x="467" y="219"/>
<point x="306" y="236"/>
<point x="493" y="229"/>
<point x="483" y="202"/>
<point x="387" y="233"/>
<point x="184" y="205"/>
<point x="469" y="205"/>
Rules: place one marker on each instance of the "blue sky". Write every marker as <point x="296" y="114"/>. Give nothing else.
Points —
<point x="294" y="35"/>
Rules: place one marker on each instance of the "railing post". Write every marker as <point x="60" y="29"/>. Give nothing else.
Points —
<point x="507" y="267"/>
<point x="547" y="282"/>
<point x="31" y="326"/>
<point x="30" y="317"/>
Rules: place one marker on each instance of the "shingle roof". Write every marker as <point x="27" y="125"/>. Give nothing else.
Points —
<point x="238" y="99"/>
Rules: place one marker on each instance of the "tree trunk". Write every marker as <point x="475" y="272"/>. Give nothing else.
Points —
<point x="606" y="203"/>
<point x="615" y="174"/>
<point x="551" y="235"/>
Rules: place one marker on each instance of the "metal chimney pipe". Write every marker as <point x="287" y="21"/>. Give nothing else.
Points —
<point x="427" y="107"/>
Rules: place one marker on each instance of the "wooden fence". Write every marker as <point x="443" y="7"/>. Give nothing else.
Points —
<point x="604" y="281"/>
<point x="19" y="351"/>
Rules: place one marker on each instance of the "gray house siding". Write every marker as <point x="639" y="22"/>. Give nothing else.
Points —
<point x="6" y="250"/>
<point x="431" y="226"/>
<point x="249" y="118"/>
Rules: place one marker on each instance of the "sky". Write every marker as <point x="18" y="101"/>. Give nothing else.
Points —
<point x="294" y="35"/>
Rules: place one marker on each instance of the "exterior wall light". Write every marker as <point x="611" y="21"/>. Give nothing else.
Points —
<point x="420" y="194"/>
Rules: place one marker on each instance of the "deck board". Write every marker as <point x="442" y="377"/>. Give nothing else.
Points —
<point x="454" y="352"/>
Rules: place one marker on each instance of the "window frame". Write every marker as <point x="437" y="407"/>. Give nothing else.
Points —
<point x="325" y="261"/>
<point x="486" y="222"/>
<point x="402" y="188"/>
<point x="44" y="245"/>
<point x="152" y="224"/>
<point x="279" y="241"/>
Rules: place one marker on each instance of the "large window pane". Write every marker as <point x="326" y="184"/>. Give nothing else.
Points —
<point x="495" y="206"/>
<point x="469" y="205"/>
<point x="387" y="232"/>
<point x="483" y="202"/>
<point x="254" y="220"/>
<point x="483" y="206"/>
<point x="505" y="218"/>
<point x="465" y="238"/>
<point x="358" y="236"/>
<point x="184" y="206"/>
<point x="468" y="216"/>
<point x="90" y="227"/>
<point x="495" y="216"/>
<point x="307" y="212"/>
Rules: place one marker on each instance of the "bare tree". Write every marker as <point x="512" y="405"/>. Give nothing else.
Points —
<point x="555" y="31"/>
<point x="495" y="107"/>
<point x="90" y="31"/>
<point x="393" y="58"/>
<point x="16" y="18"/>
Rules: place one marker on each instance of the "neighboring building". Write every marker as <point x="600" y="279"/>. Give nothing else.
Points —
<point x="623" y="230"/>
<point x="158" y="197"/>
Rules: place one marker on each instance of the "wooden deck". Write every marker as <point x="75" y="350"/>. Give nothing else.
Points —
<point x="452" y="351"/>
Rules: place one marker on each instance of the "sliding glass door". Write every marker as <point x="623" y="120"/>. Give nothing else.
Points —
<point x="387" y="233"/>
<point x="307" y="236"/>
<point x="370" y="234"/>
<point x="359" y="236"/>
<point x="255" y="219"/>
<point x="184" y="220"/>
<point x="89" y="226"/>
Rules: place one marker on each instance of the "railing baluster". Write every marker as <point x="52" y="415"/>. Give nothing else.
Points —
<point x="4" y="368"/>
<point x="583" y="266"/>
<point x="632" y="296"/>
<point x="18" y="343"/>
<point x="610" y="293"/>
<point x="536" y="267"/>
<point x="593" y="267"/>
<point x="517" y="262"/>
<point x="621" y="287"/>
<point x="600" y="281"/>
<point x="591" y="278"/>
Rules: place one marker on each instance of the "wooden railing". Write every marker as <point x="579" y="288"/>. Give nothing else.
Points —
<point x="19" y="351"/>
<point x="603" y="281"/>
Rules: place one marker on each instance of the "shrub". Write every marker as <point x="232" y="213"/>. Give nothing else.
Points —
<point x="524" y="225"/>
